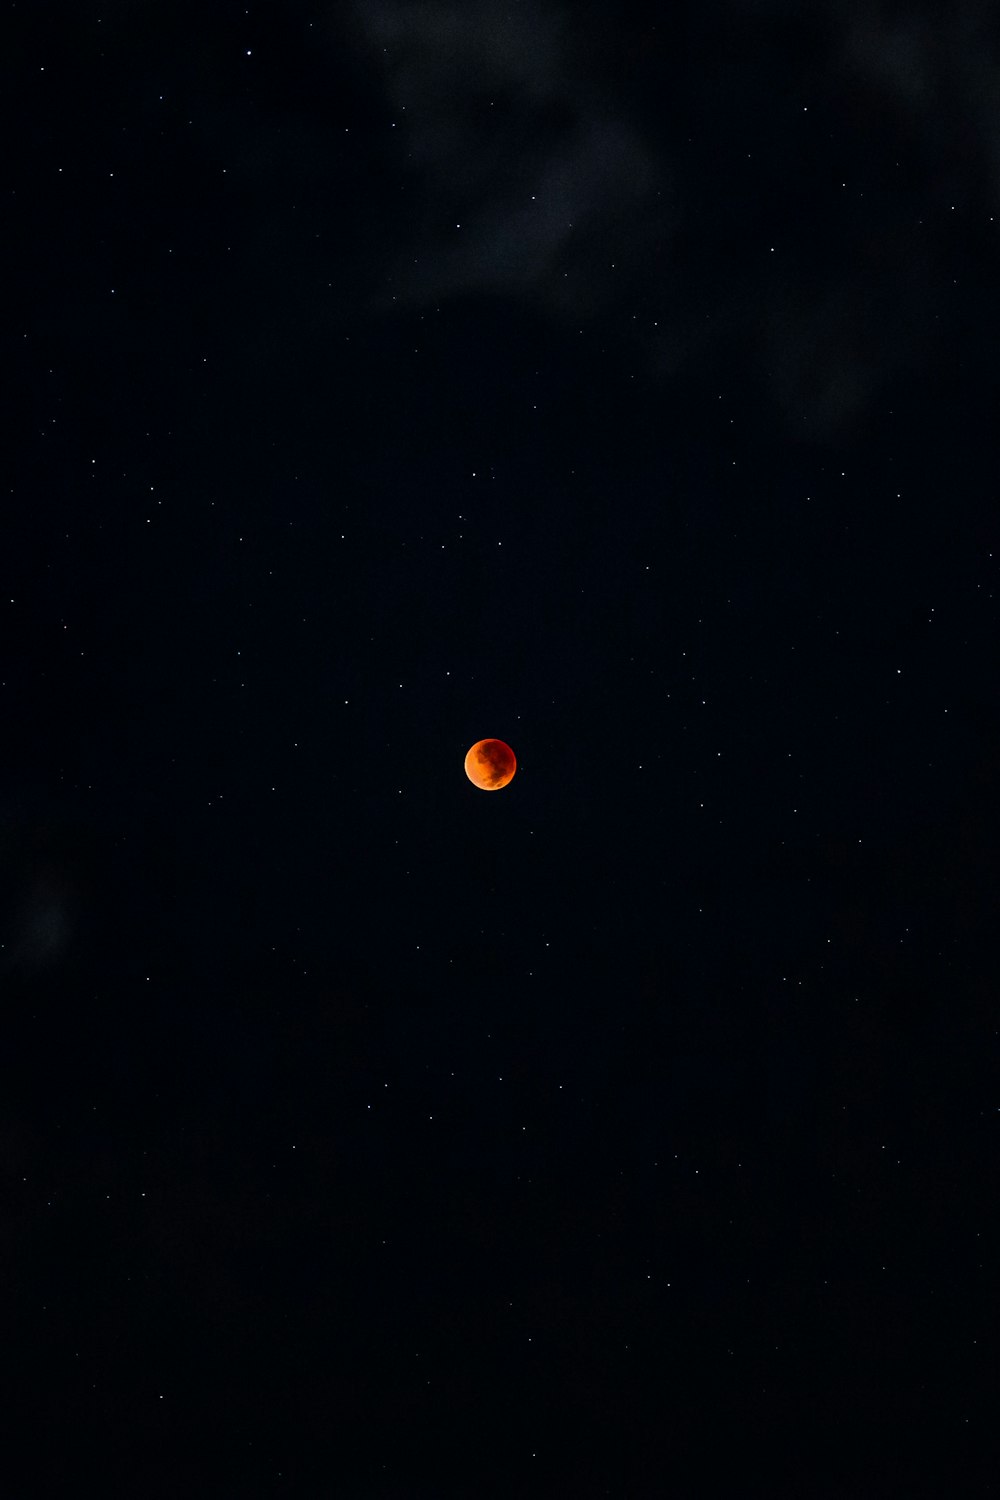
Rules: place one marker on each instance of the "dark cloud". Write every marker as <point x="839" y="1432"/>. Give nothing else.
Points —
<point x="520" y="160"/>
<point x="40" y="855"/>
<point x="593" y="168"/>
<point x="786" y="198"/>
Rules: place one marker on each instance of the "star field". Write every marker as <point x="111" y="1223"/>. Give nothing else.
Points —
<point x="384" y="379"/>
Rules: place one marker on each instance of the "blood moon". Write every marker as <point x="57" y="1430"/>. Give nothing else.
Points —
<point x="490" y="764"/>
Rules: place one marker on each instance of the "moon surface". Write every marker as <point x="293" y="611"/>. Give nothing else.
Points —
<point x="490" y="765"/>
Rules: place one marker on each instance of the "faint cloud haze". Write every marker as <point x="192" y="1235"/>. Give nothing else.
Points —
<point x="567" y="160"/>
<point x="524" y="165"/>
<point x="38" y="889"/>
<point x="42" y="924"/>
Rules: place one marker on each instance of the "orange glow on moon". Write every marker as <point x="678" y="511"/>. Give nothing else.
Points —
<point x="490" y="764"/>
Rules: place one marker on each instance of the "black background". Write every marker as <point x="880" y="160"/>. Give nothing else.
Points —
<point x="382" y="378"/>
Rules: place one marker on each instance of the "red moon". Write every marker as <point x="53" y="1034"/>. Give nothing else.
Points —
<point x="490" y="764"/>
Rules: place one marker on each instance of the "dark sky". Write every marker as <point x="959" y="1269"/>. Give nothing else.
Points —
<point x="383" y="377"/>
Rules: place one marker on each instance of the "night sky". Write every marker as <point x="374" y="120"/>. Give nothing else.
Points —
<point x="619" y="383"/>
